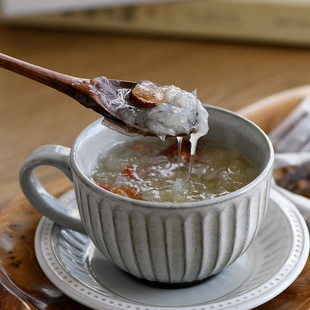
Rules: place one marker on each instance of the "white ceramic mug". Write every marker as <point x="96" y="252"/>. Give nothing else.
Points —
<point x="175" y="244"/>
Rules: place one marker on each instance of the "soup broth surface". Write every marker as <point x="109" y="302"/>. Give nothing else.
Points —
<point x="162" y="171"/>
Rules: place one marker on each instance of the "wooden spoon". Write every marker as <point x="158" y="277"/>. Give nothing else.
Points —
<point x="97" y="94"/>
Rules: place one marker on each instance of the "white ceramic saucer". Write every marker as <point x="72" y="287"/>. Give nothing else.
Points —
<point x="271" y="264"/>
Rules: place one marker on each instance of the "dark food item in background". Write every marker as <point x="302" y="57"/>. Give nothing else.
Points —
<point x="294" y="178"/>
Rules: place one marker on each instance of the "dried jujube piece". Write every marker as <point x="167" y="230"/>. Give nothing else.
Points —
<point x="126" y="191"/>
<point x="148" y="94"/>
<point x="294" y="178"/>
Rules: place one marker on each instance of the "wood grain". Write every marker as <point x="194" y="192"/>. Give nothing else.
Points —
<point x="269" y="112"/>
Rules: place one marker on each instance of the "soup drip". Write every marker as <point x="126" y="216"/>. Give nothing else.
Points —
<point x="191" y="160"/>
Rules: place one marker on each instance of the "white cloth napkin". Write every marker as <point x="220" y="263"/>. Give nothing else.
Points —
<point x="291" y="141"/>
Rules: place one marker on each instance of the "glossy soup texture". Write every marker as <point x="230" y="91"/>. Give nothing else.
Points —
<point x="159" y="171"/>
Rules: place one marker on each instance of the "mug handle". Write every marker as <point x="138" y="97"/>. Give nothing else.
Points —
<point x="47" y="204"/>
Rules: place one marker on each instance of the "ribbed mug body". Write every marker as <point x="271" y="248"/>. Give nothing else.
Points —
<point x="173" y="245"/>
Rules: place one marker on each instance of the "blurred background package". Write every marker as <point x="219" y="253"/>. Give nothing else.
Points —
<point x="266" y="21"/>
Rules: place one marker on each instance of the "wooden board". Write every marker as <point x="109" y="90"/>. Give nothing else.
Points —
<point x="268" y="112"/>
<point x="24" y="286"/>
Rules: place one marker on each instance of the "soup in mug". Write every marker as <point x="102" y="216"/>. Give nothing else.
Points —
<point x="165" y="171"/>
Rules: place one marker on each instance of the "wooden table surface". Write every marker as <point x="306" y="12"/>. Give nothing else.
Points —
<point x="225" y="74"/>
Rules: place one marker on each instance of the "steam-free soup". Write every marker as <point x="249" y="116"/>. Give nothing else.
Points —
<point x="163" y="171"/>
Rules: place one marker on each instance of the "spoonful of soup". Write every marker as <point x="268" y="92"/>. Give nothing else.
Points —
<point x="131" y="108"/>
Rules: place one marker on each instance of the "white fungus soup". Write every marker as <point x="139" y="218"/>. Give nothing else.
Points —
<point x="165" y="171"/>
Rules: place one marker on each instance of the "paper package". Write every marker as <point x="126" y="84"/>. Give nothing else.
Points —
<point x="291" y="141"/>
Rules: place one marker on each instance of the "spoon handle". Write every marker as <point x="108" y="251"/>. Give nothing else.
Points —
<point x="61" y="82"/>
<point x="77" y="88"/>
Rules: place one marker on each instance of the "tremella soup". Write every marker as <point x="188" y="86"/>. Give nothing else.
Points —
<point x="166" y="172"/>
